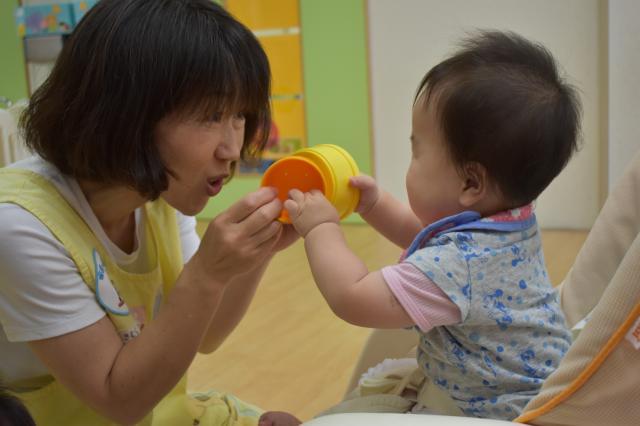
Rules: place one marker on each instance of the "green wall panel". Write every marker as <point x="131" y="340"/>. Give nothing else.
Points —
<point x="334" y="52"/>
<point x="232" y="192"/>
<point x="336" y="76"/>
<point x="13" y="82"/>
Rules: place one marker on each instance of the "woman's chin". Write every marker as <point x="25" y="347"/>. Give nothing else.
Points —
<point x="190" y="208"/>
<point x="187" y="205"/>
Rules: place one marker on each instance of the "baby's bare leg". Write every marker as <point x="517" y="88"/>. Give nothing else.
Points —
<point x="278" y="418"/>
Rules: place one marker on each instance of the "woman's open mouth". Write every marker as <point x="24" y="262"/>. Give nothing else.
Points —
<point x="214" y="185"/>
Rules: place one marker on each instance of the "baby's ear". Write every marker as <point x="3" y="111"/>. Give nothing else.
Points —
<point x="475" y="185"/>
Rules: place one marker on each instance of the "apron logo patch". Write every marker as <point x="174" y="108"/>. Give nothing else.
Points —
<point x="129" y="335"/>
<point x="106" y="293"/>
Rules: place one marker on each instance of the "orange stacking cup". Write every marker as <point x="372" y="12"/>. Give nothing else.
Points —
<point x="323" y="167"/>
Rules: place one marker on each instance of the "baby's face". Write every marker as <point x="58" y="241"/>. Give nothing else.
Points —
<point x="433" y="182"/>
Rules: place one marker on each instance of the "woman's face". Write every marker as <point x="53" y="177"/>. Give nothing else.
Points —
<point x="200" y="155"/>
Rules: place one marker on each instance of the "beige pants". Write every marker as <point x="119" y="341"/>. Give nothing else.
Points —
<point x="397" y="390"/>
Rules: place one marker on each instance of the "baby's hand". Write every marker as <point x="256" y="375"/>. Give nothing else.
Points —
<point x="308" y="210"/>
<point x="369" y="192"/>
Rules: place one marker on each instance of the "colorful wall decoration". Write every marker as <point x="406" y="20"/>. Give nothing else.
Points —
<point x="52" y="18"/>
<point x="276" y="24"/>
<point x="333" y="87"/>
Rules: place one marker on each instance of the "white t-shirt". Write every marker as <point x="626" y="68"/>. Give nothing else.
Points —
<point x="42" y="294"/>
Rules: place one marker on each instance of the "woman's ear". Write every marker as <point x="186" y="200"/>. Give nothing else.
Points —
<point x="475" y="185"/>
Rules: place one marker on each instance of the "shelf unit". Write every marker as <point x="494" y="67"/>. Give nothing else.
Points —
<point x="43" y="29"/>
<point x="276" y="24"/>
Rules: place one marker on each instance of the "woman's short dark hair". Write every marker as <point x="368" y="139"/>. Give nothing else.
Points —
<point x="130" y="63"/>
<point x="501" y="103"/>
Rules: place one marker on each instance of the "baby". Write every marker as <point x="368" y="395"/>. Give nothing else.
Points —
<point x="492" y="126"/>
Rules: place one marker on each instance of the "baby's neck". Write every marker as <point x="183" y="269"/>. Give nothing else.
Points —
<point x="492" y="204"/>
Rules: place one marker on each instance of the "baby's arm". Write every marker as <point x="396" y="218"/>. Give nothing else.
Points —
<point x="353" y="293"/>
<point x="392" y="218"/>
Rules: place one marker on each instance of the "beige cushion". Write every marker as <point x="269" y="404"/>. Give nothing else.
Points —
<point x="597" y="383"/>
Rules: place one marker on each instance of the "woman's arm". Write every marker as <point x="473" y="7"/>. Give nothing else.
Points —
<point x="239" y="294"/>
<point x="235" y="301"/>
<point x="125" y="381"/>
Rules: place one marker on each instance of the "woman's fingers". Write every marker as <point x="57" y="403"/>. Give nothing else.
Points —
<point x="267" y="245"/>
<point x="248" y="205"/>
<point x="261" y="217"/>
<point x="267" y="233"/>
<point x="231" y="242"/>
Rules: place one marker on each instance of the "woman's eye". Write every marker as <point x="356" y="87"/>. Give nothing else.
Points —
<point x="239" y="116"/>
<point x="217" y="117"/>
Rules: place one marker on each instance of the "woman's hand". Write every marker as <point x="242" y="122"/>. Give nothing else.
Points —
<point x="288" y="236"/>
<point x="310" y="209"/>
<point x="241" y="237"/>
<point x="369" y="192"/>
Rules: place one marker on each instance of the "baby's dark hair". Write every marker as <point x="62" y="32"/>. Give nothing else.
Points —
<point x="501" y="102"/>
<point x="12" y="411"/>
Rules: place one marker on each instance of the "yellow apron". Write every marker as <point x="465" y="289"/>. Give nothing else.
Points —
<point x="130" y="301"/>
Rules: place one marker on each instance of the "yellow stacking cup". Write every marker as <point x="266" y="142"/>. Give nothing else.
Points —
<point x="326" y="168"/>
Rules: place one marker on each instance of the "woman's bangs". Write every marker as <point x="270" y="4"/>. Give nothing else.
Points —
<point x="225" y="86"/>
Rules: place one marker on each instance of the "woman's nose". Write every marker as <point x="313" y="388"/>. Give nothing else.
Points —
<point x="231" y="144"/>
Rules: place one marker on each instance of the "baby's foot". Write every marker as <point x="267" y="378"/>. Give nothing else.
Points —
<point x="278" y="418"/>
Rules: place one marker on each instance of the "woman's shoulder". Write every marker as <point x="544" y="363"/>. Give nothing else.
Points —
<point x="64" y="184"/>
<point x="40" y="284"/>
<point x="19" y="225"/>
<point x="39" y="166"/>
<point x="22" y="236"/>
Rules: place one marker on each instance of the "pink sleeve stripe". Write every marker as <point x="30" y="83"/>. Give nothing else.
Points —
<point x="421" y="298"/>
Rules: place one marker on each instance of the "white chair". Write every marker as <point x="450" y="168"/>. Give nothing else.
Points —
<point x="597" y="382"/>
<point x="12" y="147"/>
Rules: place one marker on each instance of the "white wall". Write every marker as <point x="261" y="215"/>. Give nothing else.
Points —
<point x="407" y="37"/>
<point x="624" y="85"/>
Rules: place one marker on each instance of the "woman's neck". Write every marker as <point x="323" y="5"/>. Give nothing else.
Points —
<point x="114" y="207"/>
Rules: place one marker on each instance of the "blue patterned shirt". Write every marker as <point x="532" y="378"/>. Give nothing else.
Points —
<point x="512" y="333"/>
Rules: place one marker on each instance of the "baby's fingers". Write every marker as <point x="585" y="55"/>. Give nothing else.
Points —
<point x="362" y="181"/>
<point x="292" y="208"/>
<point x="296" y="195"/>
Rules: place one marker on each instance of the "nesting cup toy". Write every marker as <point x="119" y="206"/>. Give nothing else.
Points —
<point x="323" y="167"/>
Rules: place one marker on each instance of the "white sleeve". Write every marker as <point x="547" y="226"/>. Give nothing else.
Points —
<point x="42" y="294"/>
<point x="188" y="236"/>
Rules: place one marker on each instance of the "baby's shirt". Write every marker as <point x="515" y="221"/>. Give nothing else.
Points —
<point x="423" y="301"/>
<point x="511" y="334"/>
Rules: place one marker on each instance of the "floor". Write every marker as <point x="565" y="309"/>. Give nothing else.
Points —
<point x="290" y="352"/>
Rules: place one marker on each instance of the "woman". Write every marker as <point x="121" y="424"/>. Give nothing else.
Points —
<point x="107" y="293"/>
